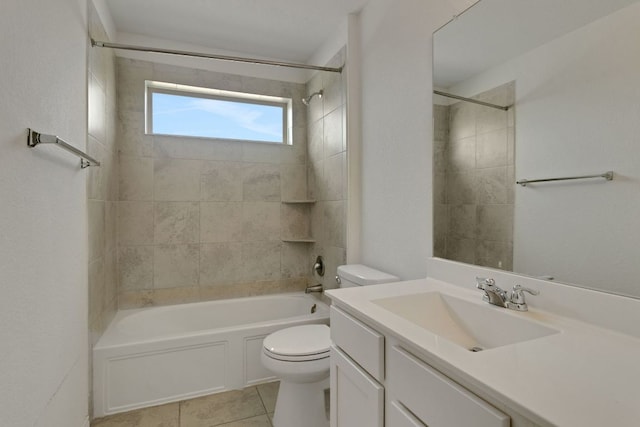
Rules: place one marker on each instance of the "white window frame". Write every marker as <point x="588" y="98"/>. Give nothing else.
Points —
<point x="152" y="87"/>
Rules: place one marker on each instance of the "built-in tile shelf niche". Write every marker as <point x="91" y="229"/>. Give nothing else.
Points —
<point x="304" y="239"/>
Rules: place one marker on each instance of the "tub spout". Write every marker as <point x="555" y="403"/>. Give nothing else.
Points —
<point x="316" y="288"/>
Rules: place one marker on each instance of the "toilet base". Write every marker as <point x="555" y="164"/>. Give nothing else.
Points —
<point x="301" y="405"/>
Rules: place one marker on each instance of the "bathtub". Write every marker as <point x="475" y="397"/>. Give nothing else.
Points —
<point x="164" y="354"/>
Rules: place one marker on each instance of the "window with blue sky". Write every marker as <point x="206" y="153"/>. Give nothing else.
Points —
<point x="209" y="113"/>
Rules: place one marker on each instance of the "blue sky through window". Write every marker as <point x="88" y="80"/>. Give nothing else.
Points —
<point x="216" y="118"/>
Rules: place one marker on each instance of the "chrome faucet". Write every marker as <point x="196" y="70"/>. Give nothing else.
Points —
<point x="497" y="296"/>
<point x="316" y="288"/>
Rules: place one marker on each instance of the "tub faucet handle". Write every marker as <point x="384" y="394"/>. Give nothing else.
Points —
<point x="318" y="266"/>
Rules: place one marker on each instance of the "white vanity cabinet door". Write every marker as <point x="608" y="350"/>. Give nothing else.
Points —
<point x="398" y="416"/>
<point x="356" y="398"/>
<point x="435" y="399"/>
<point x="359" y="341"/>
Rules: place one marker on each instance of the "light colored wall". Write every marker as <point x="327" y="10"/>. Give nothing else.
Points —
<point x="397" y="132"/>
<point x="474" y="180"/>
<point x="576" y="114"/>
<point x="43" y="232"/>
<point x="202" y="219"/>
<point x="327" y="171"/>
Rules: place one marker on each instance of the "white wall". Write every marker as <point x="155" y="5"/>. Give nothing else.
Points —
<point x="577" y="109"/>
<point x="397" y="131"/>
<point x="43" y="230"/>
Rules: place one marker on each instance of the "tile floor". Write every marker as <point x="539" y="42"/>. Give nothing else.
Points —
<point x="251" y="407"/>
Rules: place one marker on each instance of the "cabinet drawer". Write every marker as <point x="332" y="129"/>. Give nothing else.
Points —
<point x="400" y="417"/>
<point x="364" y="345"/>
<point x="356" y="398"/>
<point x="434" y="398"/>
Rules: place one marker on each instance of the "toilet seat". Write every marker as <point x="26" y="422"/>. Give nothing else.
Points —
<point x="298" y="343"/>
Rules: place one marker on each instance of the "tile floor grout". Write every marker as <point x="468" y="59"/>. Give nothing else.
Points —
<point x="181" y="413"/>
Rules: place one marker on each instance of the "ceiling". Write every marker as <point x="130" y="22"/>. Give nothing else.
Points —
<point x="291" y="30"/>
<point x="493" y="31"/>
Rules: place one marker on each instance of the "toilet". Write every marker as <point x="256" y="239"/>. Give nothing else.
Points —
<point x="299" y="356"/>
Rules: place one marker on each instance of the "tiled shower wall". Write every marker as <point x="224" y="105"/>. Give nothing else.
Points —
<point x="474" y="180"/>
<point x="328" y="170"/>
<point x="102" y="182"/>
<point x="202" y="219"/>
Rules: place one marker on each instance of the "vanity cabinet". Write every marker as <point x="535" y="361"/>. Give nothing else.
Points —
<point x="376" y="382"/>
<point x="432" y="398"/>
<point x="357" y="368"/>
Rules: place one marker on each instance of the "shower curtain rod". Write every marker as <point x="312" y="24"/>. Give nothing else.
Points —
<point x="474" y="101"/>
<point x="96" y="43"/>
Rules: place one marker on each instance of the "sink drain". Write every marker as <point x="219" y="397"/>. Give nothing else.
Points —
<point x="476" y="349"/>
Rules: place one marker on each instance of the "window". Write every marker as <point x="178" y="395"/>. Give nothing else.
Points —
<point x="190" y="111"/>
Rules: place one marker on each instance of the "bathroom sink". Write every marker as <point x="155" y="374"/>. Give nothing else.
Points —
<point x="473" y="326"/>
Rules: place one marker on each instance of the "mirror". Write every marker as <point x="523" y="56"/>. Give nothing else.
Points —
<point x="570" y="72"/>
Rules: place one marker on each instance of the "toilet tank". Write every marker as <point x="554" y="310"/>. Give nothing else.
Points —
<point x="360" y="275"/>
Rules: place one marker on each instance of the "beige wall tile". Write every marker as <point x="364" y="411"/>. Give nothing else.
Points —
<point x="495" y="222"/>
<point x="295" y="219"/>
<point x="462" y="120"/>
<point x="333" y="133"/>
<point x="461" y="188"/>
<point x="494" y="254"/>
<point x="260" y="221"/>
<point x="333" y="91"/>
<point x="462" y="221"/>
<point x="110" y="225"/>
<point x="461" y="154"/>
<point x="334" y="257"/>
<point x="491" y="149"/>
<point x="261" y="260"/>
<point x="316" y="141"/>
<point x="135" y="268"/>
<point x="135" y="224"/>
<point x="176" y="295"/>
<point x="196" y="148"/>
<point x="261" y="182"/>
<point x="177" y="180"/>
<point x="96" y="177"/>
<point x="131" y="137"/>
<point x="334" y="223"/>
<point x="135" y="299"/>
<point x="221" y="181"/>
<point x="177" y="222"/>
<point x="220" y="222"/>
<point x="333" y="176"/>
<point x="492" y="185"/>
<point x="175" y="266"/>
<point x="110" y="278"/>
<point x="136" y="178"/>
<point x="96" y="228"/>
<point x="462" y="250"/>
<point x="293" y="182"/>
<point x="220" y="263"/>
<point x="295" y="260"/>
<point x="96" y="288"/>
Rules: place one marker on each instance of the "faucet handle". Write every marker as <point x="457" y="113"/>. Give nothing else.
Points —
<point x="517" y="301"/>
<point x="483" y="282"/>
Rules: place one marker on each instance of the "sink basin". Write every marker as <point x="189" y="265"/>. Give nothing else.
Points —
<point x="475" y="327"/>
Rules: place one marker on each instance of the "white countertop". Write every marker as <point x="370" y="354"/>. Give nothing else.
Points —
<point x="583" y="376"/>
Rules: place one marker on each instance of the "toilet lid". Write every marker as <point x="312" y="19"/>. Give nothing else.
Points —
<point x="299" y="341"/>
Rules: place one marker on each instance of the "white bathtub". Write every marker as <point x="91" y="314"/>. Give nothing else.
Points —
<point x="156" y="355"/>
